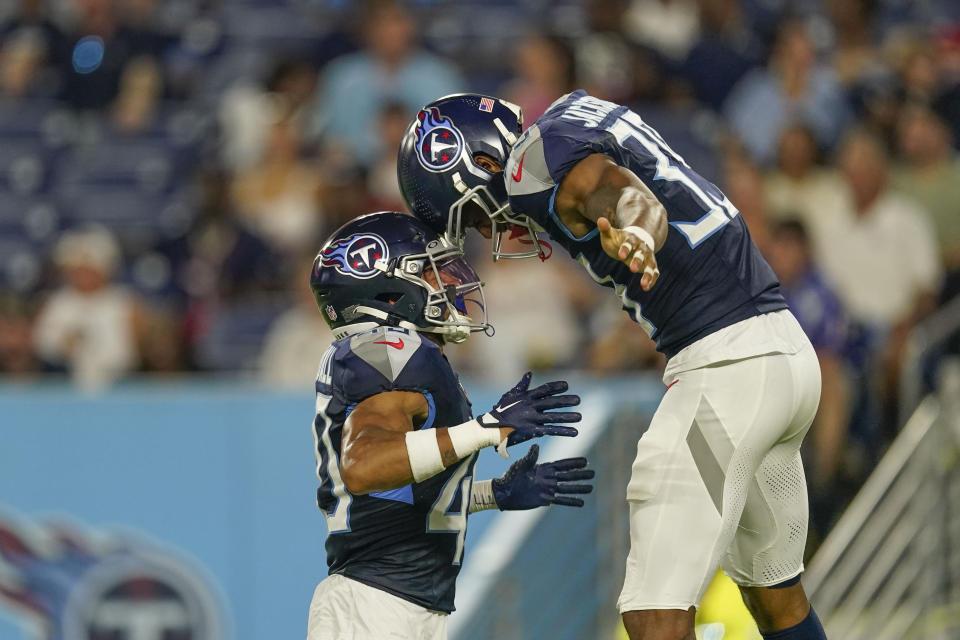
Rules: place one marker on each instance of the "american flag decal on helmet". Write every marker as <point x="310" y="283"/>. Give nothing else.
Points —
<point x="486" y="104"/>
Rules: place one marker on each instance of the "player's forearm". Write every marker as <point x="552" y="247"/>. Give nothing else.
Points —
<point x="621" y="197"/>
<point x="432" y="450"/>
<point x="381" y="459"/>
<point x="638" y="208"/>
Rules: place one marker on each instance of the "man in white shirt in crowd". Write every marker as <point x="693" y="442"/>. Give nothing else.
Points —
<point x="878" y="249"/>
<point x="89" y="325"/>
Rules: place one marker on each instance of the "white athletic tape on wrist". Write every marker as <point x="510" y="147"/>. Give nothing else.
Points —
<point x="642" y="234"/>
<point x="482" y="497"/>
<point x="471" y="436"/>
<point x="423" y="450"/>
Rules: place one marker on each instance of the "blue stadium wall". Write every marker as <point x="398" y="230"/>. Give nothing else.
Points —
<point x="219" y="477"/>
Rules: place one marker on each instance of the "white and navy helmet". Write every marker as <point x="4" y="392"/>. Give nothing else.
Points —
<point x="440" y="178"/>
<point x="390" y="269"/>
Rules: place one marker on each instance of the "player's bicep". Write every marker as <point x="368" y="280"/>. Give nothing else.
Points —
<point x="374" y="454"/>
<point x="391" y="411"/>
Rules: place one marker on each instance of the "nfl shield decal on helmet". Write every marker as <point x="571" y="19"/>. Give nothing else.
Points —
<point x="357" y="255"/>
<point x="439" y="143"/>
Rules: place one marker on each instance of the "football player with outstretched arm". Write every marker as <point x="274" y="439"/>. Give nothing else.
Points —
<point x="717" y="479"/>
<point x="396" y="440"/>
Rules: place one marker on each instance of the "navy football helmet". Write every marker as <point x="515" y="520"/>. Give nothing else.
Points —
<point x="391" y="269"/>
<point x="441" y="180"/>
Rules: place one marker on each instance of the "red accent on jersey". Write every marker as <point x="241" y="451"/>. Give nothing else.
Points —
<point x="398" y="344"/>
<point x="519" y="172"/>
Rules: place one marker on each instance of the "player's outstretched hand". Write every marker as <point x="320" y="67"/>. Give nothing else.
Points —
<point x="528" y="411"/>
<point x="630" y="249"/>
<point x="527" y="485"/>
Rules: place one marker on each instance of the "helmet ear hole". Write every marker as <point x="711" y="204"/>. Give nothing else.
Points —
<point x="487" y="163"/>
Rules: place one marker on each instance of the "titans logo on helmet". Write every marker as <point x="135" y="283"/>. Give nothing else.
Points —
<point x="439" y="143"/>
<point x="357" y="255"/>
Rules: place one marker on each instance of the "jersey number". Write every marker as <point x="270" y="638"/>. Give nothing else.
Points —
<point x="338" y="520"/>
<point x="444" y="517"/>
<point x="671" y="166"/>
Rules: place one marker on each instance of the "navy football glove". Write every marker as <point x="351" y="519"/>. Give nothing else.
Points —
<point x="527" y="411"/>
<point x="527" y="485"/>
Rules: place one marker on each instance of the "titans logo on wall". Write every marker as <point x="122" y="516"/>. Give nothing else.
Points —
<point x="439" y="143"/>
<point x="357" y="255"/>
<point x="67" y="584"/>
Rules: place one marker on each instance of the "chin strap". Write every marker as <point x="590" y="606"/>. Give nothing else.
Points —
<point x="449" y="334"/>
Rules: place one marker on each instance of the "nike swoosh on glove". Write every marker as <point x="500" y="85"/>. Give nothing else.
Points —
<point x="529" y="411"/>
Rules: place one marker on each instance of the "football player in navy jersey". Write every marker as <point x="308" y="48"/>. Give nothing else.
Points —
<point x="396" y="440"/>
<point x="717" y="479"/>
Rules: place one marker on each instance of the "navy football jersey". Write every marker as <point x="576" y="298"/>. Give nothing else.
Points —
<point x="408" y="541"/>
<point x="711" y="274"/>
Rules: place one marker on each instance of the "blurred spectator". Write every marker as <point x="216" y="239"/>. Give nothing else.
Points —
<point x="390" y="67"/>
<point x="799" y="185"/>
<point x="926" y="77"/>
<point x="32" y="23"/>
<point x="246" y="112"/>
<point x="18" y="358"/>
<point x="543" y="71"/>
<point x="947" y="102"/>
<point x="880" y="252"/>
<point x="669" y="27"/>
<point x="279" y="197"/>
<point x="515" y="348"/>
<point x="162" y="343"/>
<point x="881" y="256"/>
<point x="916" y="63"/>
<point x="297" y="339"/>
<point x="106" y="36"/>
<point x="855" y="58"/>
<point x="931" y="175"/>
<point x="98" y="53"/>
<point x="21" y="66"/>
<point x="744" y="186"/>
<point x="218" y="258"/>
<point x="141" y="27"/>
<point x="621" y="346"/>
<point x="600" y="53"/>
<point x="822" y="319"/>
<point x="343" y="190"/>
<point x="792" y="88"/>
<point x="91" y="324"/>
<point x="724" y="53"/>
<point x="382" y="179"/>
<point x="138" y="101"/>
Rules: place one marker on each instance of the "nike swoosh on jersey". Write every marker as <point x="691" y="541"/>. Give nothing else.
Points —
<point x="398" y="344"/>
<point x="519" y="172"/>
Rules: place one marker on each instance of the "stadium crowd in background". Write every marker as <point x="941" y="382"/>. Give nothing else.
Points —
<point x="168" y="168"/>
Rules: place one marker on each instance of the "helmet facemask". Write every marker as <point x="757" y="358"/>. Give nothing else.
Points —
<point x="455" y="305"/>
<point x="503" y="221"/>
